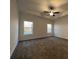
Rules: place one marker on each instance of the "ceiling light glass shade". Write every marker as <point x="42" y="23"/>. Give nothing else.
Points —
<point x="51" y="13"/>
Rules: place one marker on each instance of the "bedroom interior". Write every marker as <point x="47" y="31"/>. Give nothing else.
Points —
<point x="39" y="29"/>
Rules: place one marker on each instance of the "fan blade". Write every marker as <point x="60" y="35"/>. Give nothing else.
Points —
<point x="53" y="15"/>
<point x="46" y="12"/>
<point x="56" y="12"/>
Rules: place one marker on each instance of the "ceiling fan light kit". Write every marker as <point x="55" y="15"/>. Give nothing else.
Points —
<point x="51" y="13"/>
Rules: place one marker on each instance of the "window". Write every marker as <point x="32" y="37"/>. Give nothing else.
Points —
<point x="28" y="27"/>
<point x="49" y="28"/>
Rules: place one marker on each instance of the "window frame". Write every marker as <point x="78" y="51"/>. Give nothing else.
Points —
<point x="31" y="27"/>
<point x="48" y="28"/>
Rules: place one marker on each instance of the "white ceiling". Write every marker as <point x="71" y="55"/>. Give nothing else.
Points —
<point x="37" y="6"/>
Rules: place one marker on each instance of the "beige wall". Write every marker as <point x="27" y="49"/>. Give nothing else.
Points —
<point x="13" y="26"/>
<point x="40" y="26"/>
<point x="61" y="27"/>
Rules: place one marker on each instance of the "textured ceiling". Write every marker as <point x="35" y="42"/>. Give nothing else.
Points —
<point x="37" y="6"/>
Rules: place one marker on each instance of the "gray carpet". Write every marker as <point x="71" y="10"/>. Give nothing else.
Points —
<point x="45" y="48"/>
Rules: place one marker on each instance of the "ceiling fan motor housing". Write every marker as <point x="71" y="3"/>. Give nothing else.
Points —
<point x="51" y="7"/>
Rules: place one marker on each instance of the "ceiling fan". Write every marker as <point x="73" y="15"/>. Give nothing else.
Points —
<point x="51" y="11"/>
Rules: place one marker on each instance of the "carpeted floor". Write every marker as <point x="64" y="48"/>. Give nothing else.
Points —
<point x="46" y="48"/>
